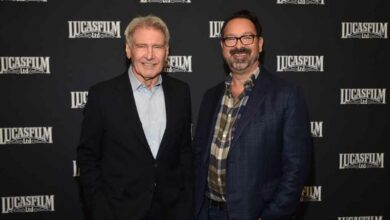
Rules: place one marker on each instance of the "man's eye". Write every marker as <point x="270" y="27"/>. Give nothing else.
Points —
<point x="247" y="37"/>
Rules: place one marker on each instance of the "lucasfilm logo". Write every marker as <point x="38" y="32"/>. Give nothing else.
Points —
<point x="362" y="96"/>
<point x="26" y="135"/>
<point x="13" y="204"/>
<point x="311" y="194"/>
<point x="215" y="29"/>
<point x="94" y="29"/>
<point x="300" y="63"/>
<point x="179" y="64"/>
<point x="78" y="99"/>
<point x="360" y="218"/>
<point x="316" y="129"/>
<point x="165" y="1"/>
<point x="301" y="2"/>
<point x="24" y="65"/>
<point x="76" y="169"/>
<point x="361" y="160"/>
<point x="364" y="30"/>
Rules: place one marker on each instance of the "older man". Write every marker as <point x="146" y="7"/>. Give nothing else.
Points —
<point x="252" y="142"/>
<point x="135" y="151"/>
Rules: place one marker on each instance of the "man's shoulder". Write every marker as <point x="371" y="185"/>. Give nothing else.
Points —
<point x="174" y="84"/>
<point x="276" y="82"/>
<point x="280" y="90"/>
<point x="109" y="84"/>
<point x="216" y="89"/>
<point x="173" y="81"/>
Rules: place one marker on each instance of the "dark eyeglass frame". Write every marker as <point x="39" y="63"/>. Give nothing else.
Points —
<point x="251" y="40"/>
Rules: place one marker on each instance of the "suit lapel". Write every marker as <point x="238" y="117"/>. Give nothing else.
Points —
<point x="214" y="108"/>
<point x="131" y="117"/>
<point x="255" y="100"/>
<point x="168" y="96"/>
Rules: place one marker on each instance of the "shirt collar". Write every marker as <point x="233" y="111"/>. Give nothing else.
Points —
<point x="136" y="84"/>
<point x="248" y="84"/>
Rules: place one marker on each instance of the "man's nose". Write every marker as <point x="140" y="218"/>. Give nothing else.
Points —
<point x="149" y="53"/>
<point x="239" y="44"/>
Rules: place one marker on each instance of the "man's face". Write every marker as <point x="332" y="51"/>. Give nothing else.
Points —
<point x="241" y="59"/>
<point x="147" y="52"/>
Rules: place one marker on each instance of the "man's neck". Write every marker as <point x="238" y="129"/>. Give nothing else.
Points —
<point x="147" y="82"/>
<point x="238" y="79"/>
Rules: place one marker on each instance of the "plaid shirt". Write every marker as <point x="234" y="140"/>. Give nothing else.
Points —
<point x="228" y="116"/>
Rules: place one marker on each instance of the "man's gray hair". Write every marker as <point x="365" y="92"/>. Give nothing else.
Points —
<point x="149" y="21"/>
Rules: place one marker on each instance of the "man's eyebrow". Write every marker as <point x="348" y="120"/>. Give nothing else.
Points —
<point x="245" y="33"/>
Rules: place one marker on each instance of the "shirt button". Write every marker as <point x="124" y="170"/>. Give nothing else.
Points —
<point x="224" y="134"/>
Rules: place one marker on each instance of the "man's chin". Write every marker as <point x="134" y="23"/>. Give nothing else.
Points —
<point x="239" y="67"/>
<point x="151" y="75"/>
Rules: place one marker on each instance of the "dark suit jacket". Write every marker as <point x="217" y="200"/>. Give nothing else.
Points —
<point x="269" y="156"/>
<point x="119" y="174"/>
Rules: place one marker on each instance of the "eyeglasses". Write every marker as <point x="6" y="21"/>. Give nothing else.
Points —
<point x="245" y="40"/>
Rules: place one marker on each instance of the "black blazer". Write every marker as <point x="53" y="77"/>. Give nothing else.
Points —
<point x="269" y="156"/>
<point x="118" y="172"/>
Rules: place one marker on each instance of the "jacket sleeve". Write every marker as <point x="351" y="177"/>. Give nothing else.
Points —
<point x="89" y="157"/>
<point x="296" y="155"/>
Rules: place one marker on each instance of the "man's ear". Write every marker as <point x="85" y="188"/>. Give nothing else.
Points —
<point x="128" y="51"/>
<point x="167" y="52"/>
<point x="261" y="42"/>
